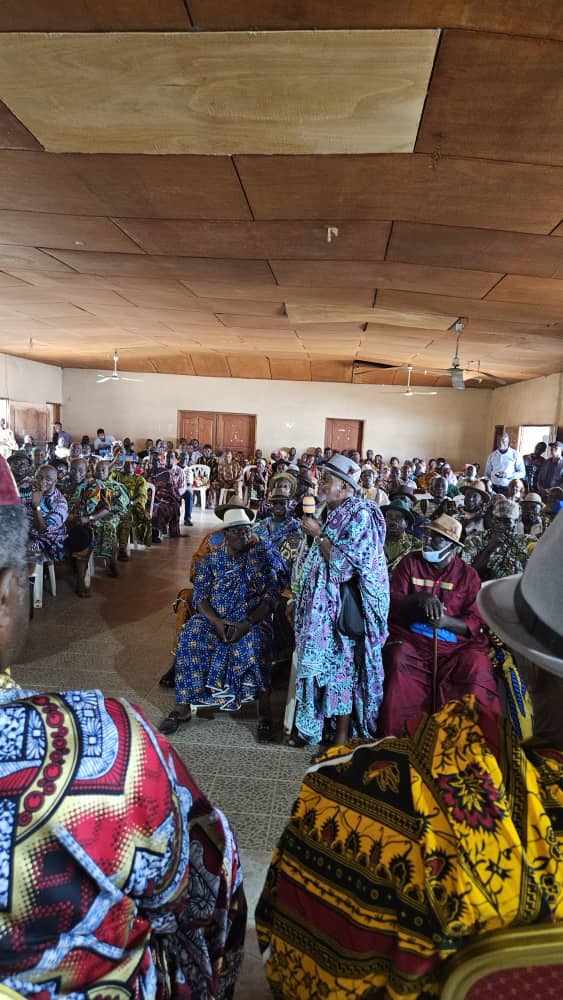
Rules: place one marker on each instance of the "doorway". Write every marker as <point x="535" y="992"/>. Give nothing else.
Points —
<point x="229" y="431"/>
<point x="531" y="435"/>
<point x="344" y="435"/>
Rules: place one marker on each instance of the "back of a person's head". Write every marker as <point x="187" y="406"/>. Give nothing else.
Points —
<point x="13" y="522"/>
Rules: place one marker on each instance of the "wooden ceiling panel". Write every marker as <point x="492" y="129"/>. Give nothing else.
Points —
<point x="243" y="367"/>
<point x="521" y="17"/>
<point x="392" y="316"/>
<point x="21" y="258"/>
<point x="513" y="288"/>
<point x="332" y="239"/>
<point x="213" y="365"/>
<point x="558" y="231"/>
<point x="487" y="309"/>
<point x="231" y="91"/>
<point x="189" y="268"/>
<point x="64" y="232"/>
<point x="451" y="191"/>
<point x="196" y="187"/>
<point x="496" y="97"/>
<point x="14" y="135"/>
<point x="254" y="322"/>
<point x="331" y="371"/>
<point x="387" y="274"/>
<point x="291" y="369"/>
<point x="277" y="293"/>
<point x="94" y="15"/>
<point x="483" y="249"/>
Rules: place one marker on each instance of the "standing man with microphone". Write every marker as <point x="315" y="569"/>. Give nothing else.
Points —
<point x="341" y="590"/>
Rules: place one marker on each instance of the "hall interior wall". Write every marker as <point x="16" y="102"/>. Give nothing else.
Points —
<point x="29" y="381"/>
<point x="452" y="423"/>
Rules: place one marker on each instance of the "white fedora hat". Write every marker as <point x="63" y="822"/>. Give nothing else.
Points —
<point x="525" y="611"/>
<point x="235" y="518"/>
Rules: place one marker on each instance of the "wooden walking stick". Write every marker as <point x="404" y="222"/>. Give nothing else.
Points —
<point x="435" y="669"/>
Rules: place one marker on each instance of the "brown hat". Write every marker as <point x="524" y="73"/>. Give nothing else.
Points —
<point x="446" y="526"/>
<point x="289" y="478"/>
<point x="532" y="498"/>
<point x="236" y="504"/>
<point x="477" y="485"/>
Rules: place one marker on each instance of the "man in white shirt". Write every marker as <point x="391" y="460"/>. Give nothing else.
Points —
<point x="103" y="442"/>
<point x="504" y="465"/>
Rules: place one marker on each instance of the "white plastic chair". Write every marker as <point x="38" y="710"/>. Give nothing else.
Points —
<point x="247" y="487"/>
<point x="224" y="494"/>
<point x="38" y="582"/>
<point x="201" y="472"/>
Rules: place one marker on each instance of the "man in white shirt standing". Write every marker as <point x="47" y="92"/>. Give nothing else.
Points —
<point x="503" y="465"/>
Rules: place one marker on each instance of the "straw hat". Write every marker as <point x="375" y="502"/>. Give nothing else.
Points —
<point x="532" y="498"/>
<point x="446" y="526"/>
<point x="525" y="610"/>
<point x="478" y="486"/>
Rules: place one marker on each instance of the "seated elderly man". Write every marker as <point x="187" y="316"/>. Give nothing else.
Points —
<point x="223" y="656"/>
<point x="47" y="511"/>
<point x="475" y="502"/>
<point x="400" y="852"/>
<point x="399" y="518"/>
<point x="120" y="879"/>
<point x="532" y="522"/>
<point x="137" y="518"/>
<point x="95" y="510"/>
<point x="501" y="550"/>
<point x="434" y="591"/>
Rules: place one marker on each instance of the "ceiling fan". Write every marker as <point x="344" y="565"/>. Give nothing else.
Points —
<point x="408" y="390"/>
<point x="114" y="377"/>
<point x="458" y="375"/>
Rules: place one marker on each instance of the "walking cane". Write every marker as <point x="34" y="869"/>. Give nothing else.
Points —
<point x="435" y="669"/>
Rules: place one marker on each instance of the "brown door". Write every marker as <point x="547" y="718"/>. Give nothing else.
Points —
<point x="236" y="431"/>
<point x="513" y="436"/>
<point x="499" y="428"/>
<point x="344" y="435"/>
<point x="25" y="418"/>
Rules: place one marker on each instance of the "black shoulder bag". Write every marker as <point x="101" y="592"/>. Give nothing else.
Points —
<point x="350" y="621"/>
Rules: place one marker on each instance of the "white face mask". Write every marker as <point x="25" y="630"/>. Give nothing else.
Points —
<point x="436" y="555"/>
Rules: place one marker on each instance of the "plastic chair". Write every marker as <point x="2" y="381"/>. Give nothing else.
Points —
<point x="519" y="961"/>
<point x="224" y="495"/>
<point x="38" y="581"/>
<point x="200" y="472"/>
<point x="247" y="486"/>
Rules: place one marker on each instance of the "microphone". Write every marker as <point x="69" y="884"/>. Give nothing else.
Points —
<point x="309" y="505"/>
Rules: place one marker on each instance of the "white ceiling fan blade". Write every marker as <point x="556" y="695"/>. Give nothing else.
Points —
<point x="104" y="378"/>
<point x="123" y="378"/>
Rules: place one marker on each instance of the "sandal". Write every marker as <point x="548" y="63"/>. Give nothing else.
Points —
<point x="264" y="732"/>
<point x="296" y="741"/>
<point x="168" y="680"/>
<point x="170" y="724"/>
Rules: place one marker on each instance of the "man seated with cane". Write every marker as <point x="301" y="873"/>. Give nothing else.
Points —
<point x="433" y="596"/>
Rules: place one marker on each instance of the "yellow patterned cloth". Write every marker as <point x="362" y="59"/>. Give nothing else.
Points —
<point x="399" y="852"/>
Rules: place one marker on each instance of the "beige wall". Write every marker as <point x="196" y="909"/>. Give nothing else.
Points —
<point x="452" y="423"/>
<point x="29" y="381"/>
<point x="538" y="401"/>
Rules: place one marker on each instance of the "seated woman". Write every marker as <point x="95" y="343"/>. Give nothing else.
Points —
<point x="256" y="482"/>
<point x="229" y="474"/>
<point x="47" y="511"/>
<point x="223" y="656"/>
<point x="95" y="510"/>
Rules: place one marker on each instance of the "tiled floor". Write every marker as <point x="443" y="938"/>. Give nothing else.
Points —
<point x="120" y="641"/>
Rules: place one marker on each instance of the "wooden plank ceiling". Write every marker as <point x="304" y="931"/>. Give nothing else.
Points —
<point x="274" y="190"/>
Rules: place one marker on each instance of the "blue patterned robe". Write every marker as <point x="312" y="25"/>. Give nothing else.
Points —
<point x="335" y="675"/>
<point x="208" y="670"/>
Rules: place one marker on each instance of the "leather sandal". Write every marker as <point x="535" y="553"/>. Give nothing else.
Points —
<point x="170" y="724"/>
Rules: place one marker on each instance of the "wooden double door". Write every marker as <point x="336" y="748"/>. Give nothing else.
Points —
<point x="344" y="435"/>
<point x="229" y="431"/>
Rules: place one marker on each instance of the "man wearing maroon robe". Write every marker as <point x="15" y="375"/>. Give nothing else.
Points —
<point x="434" y="589"/>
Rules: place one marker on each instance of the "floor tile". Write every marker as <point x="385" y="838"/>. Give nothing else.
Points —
<point x="235" y="794"/>
<point x="251" y="829"/>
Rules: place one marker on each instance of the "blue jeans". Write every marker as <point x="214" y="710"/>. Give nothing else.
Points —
<point x="189" y="502"/>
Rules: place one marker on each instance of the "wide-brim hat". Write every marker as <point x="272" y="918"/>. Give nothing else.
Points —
<point x="403" y="509"/>
<point x="276" y="494"/>
<point x="446" y="526"/>
<point x="477" y="486"/>
<point x="237" y="517"/>
<point x="525" y="610"/>
<point x="345" y="469"/>
<point x="233" y="504"/>
<point x="288" y="477"/>
<point x="532" y="498"/>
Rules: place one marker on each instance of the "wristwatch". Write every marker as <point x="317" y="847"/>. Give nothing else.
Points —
<point x="38" y="507"/>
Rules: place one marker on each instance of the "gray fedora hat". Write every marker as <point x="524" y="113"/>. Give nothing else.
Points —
<point x="525" y="610"/>
<point x="345" y="469"/>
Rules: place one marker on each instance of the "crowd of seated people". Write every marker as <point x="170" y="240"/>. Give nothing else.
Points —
<point x="420" y="539"/>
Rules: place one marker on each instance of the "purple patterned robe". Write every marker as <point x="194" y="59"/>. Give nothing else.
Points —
<point x="335" y="675"/>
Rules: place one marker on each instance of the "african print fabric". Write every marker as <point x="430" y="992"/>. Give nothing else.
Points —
<point x="395" y="550"/>
<point x="334" y="675"/>
<point x="137" y="518"/>
<point x="117" y="877"/>
<point x="505" y="560"/>
<point x="48" y="544"/>
<point x="399" y="852"/>
<point x="210" y="671"/>
<point x="105" y="495"/>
